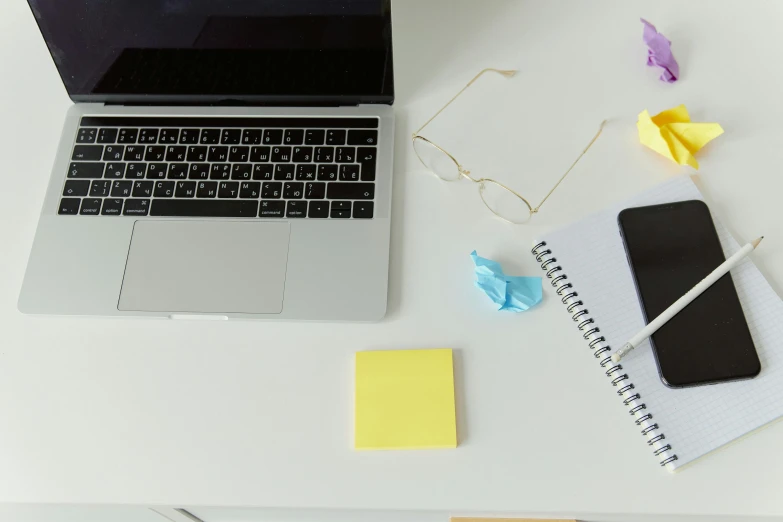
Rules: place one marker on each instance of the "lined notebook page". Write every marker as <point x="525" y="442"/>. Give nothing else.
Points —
<point x="697" y="420"/>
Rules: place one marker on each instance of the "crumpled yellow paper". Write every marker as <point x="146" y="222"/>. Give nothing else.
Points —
<point x="672" y="134"/>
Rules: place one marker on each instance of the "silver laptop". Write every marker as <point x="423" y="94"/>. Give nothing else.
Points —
<point x="222" y="159"/>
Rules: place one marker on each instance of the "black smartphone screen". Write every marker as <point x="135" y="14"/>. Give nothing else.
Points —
<point x="671" y="248"/>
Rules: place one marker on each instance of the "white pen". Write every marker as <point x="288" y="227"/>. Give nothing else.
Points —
<point x="685" y="300"/>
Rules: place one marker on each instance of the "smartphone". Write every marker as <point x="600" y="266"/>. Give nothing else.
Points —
<point x="671" y="248"/>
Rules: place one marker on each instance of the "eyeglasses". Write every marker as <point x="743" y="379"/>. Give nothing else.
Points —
<point x="501" y="200"/>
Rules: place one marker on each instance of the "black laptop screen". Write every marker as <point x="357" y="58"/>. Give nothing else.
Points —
<point x="276" y="51"/>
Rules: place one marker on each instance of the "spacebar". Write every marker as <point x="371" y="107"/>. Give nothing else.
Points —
<point x="203" y="208"/>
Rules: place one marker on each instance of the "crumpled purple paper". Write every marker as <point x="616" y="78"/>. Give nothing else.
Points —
<point x="659" y="53"/>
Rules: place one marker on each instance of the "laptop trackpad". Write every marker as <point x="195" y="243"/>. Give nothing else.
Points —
<point x="206" y="267"/>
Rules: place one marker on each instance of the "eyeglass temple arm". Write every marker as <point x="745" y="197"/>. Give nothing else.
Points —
<point x="600" y="129"/>
<point x="506" y="73"/>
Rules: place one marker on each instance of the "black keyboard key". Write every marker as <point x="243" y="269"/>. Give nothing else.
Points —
<point x="148" y="135"/>
<point x="228" y="189"/>
<point x="296" y="209"/>
<point x="107" y="136"/>
<point x="324" y="154"/>
<point x="185" y="189"/>
<point x="293" y="190"/>
<point x="220" y="171"/>
<point x="238" y="154"/>
<point x="206" y="189"/>
<point x="114" y="170"/>
<point x="100" y="188"/>
<point x="86" y="135"/>
<point x="189" y="136"/>
<point x="87" y="152"/>
<point x="260" y="154"/>
<point x="143" y="189"/>
<point x="134" y="153"/>
<point x="293" y="136"/>
<point x="69" y="206"/>
<point x="349" y="172"/>
<point x="157" y="170"/>
<point x="272" y="209"/>
<point x="179" y="153"/>
<point x="136" y="170"/>
<point x="281" y="154"/>
<point x="315" y="190"/>
<point x="199" y="171"/>
<point x="136" y="207"/>
<point x="271" y="190"/>
<point x="168" y="136"/>
<point x="155" y="153"/>
<point x="113" y="153"/>
<point x="305" y="172"/>
<point x="218" y="154"/>
<point x="273" y="136"/>
<point x="318" y="209"/>
<point x="121" y="189"/>
<point x="327" y="172"/>
<point x="197" y="154"/>
<point x="178" y="171"/>
<point x="350" y="191"/>
<point x="315" y="137"/>
<point x="366" y="158"/>
<point x="363" y="209"/>
<point x="242" y="171"/>
<point x="76" y="188"/>
<point x="345" y="155"/>
<point x="340" y="214"/>
<point x="164" y="189"/>
<point x="303" y="154"/>
<point x="335" y="137"/>
<point x="362" y="137"/>
<point x="231" y="136"/>
<point x="196" y="208"/>
<point x="263" y="172"/>
<point x="365" y="155"/>
<point x="210" y="136"/>
<point x="86" y="170"/>
<point x="251" y="137"/>
<point x="341" y="205"/>
<point x="91" y="206"/>
<point x="112" y="207"/>
<point x="284" y="172"/>
<point x="250" y="190"/>
<point x="127" y="135"/>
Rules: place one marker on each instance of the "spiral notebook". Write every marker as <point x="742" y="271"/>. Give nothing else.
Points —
<point x="586" y="264"/>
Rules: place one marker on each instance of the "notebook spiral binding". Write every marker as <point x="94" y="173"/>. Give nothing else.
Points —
<point x="601" y="350"/>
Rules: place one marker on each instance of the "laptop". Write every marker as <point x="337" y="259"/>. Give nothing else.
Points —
<point x="221" y="160"/>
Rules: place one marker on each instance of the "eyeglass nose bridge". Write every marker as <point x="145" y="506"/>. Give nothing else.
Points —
<point x="465" y="173"/>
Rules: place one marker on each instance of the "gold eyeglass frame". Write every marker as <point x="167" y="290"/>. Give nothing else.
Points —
<point x="464" y="173"/>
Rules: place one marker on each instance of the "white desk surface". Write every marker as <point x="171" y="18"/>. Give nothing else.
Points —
<point x="260" y="413"/>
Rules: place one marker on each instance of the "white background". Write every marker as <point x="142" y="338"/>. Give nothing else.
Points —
<point x="259" y="414"/>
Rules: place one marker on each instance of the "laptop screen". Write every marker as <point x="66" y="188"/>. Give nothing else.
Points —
<point x="230" y="51"/>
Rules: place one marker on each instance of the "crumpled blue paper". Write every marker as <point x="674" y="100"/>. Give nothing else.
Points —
<point x="512" y="293"/>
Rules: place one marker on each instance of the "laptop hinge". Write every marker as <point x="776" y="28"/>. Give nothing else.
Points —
<point x="233" y="103"/>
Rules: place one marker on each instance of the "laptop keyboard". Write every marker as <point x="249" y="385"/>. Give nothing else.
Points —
<point x="223" y="167"/>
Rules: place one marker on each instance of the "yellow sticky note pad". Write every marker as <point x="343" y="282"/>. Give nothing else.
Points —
<point x="405" y="400"/>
